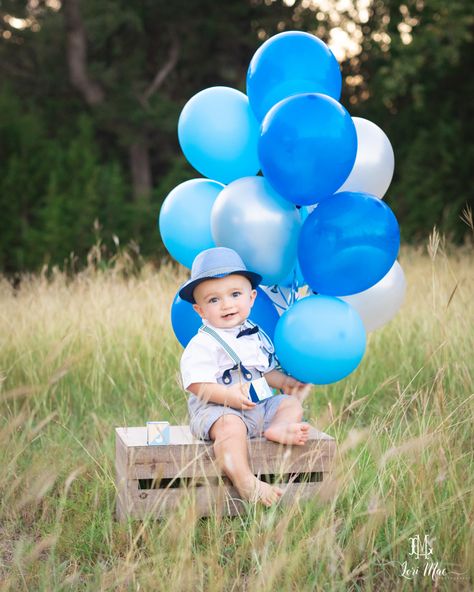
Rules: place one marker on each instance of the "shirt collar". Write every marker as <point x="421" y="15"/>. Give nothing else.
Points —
<point x="228" y="331"/>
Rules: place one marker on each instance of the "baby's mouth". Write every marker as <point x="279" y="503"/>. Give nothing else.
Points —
<point x="229" y="315"/>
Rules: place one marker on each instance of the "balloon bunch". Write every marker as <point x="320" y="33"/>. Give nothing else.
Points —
<point x="316" y="216"/>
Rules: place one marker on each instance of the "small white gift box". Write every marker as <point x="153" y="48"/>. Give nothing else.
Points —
<point x="157" y="433"/>
<point x="259" y="390"/>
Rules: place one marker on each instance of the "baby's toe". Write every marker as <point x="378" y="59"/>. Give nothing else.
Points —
<point x="303" y="438"/>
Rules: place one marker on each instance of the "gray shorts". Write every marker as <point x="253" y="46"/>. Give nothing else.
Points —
<point x="257" y="419"/>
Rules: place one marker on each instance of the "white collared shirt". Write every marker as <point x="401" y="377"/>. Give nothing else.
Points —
<point x="205" y="360"/>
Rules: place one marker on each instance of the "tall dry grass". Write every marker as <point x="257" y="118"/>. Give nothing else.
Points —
<point x="82" y="355"/>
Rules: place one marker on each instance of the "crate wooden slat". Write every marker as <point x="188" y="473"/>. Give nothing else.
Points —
<point x="156" y="479"/>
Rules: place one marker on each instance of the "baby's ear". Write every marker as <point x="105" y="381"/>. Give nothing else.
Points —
<point x="198" y="309"/>
<point x="253" y="295"/>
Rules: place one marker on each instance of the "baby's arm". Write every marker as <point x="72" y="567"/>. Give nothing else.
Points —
<point x="287" y="384"/>
<point x="199" y="368"/>
<point x="235" y="396"/>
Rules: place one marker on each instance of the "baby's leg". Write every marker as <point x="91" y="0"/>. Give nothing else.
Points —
<point x="230" y="446"/>
<point x="286" y="426"/>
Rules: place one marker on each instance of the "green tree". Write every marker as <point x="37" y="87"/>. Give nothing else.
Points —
<point x="52" y="190"/>
<point x="92" y="92"/>
<point x="130" y="68"/>
<point x="415" y="65"/>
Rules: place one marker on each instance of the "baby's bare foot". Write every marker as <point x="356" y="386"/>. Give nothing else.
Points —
<point x="288" y="433"/>
<point x="255" y="490"/>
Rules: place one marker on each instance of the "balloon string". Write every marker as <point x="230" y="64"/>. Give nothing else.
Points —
<point x="294" y="287"/>
<point x="284" y="298"/>
<point x="279" y="306"/>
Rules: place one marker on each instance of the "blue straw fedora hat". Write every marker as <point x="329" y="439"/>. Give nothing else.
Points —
<point x="215" y="263"/>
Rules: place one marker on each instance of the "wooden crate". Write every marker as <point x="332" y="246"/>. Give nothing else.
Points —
<point x="155" y="479"/>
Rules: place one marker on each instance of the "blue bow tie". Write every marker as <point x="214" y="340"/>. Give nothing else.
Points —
<point x="248" y="331"/>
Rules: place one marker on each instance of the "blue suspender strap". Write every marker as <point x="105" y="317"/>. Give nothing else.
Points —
<point x="266" y="342"/>
<point x="217" y="337"/>
<point x="235" y="358"/>
<point x="269" y="348"/>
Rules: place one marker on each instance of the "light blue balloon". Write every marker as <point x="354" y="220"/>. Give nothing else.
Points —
<point x="307" y="147"/>
<point x="185" y="219"/>
<point x="320" y="339"/>
<point x="251" y="218"/>
<point x="348" y="243"/>
<point x="218" y="134"/>
<point x="288" y="64"/>
<point x="186" y="321"/>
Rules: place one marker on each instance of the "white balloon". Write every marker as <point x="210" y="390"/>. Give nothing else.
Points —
<point x="250" y="217"/>
<point x="375" y="162"/>
<point x="380" y="303"/>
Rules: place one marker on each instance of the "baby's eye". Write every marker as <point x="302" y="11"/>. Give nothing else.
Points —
<point x="213" y="300"/>
<point x="236" y="294"/>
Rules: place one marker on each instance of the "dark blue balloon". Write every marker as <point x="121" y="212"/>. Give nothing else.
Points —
<point x="288" y="64"/>
<point x="186" y="321"/>
<point x="307" y="147"/>
<point x="348" y="243"/>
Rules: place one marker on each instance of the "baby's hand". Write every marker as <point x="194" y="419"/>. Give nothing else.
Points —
<point x="294" y="387"/>
<point x="237" y="397"/>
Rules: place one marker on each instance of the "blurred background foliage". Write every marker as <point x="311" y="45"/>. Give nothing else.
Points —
<point x="90" y="94"/>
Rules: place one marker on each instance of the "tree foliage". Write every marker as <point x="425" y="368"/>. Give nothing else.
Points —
<point x="419" y="94"/>
<point x="88" y="132"/>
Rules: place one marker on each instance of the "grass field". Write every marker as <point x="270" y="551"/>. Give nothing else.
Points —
<point x="80" y="356"/>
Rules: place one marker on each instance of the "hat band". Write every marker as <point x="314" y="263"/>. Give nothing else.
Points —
<point x="217" y="271"/>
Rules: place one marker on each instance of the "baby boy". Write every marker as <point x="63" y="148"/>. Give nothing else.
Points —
<point x="221" y="363"/>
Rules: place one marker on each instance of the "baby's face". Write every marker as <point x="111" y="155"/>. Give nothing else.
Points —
<point x="224" y="302"/>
